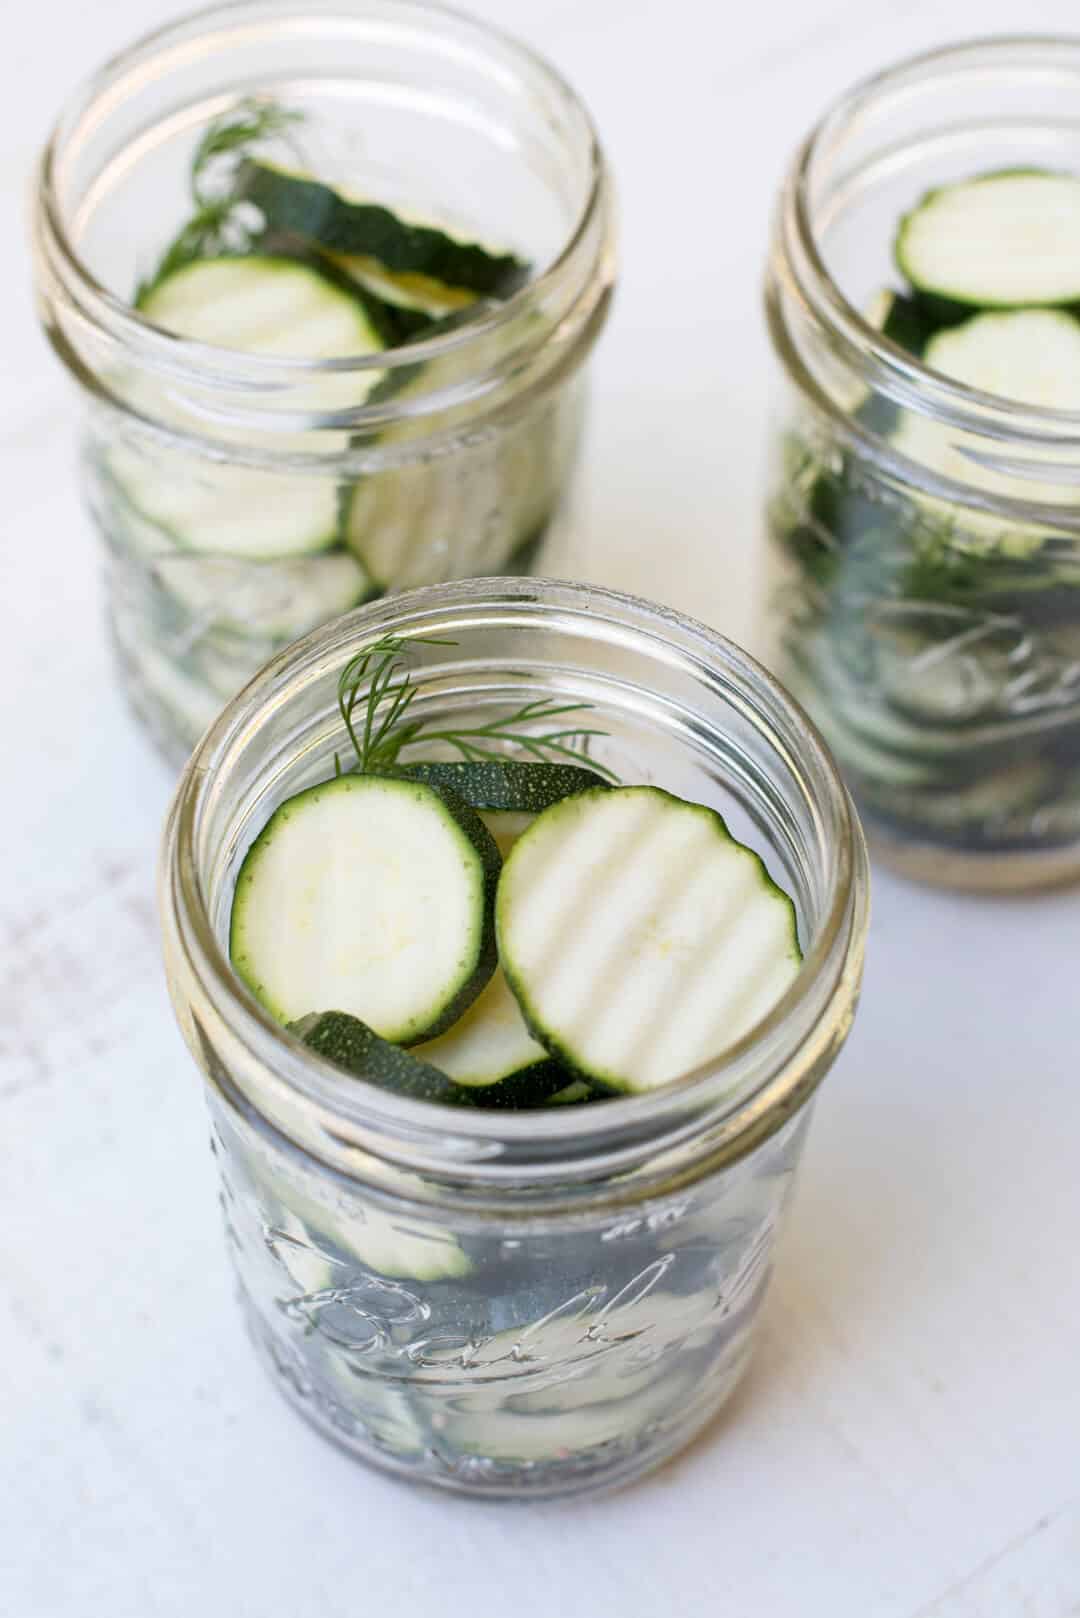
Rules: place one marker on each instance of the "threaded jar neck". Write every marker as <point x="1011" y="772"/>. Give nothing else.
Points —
<point x="416" y="77"/>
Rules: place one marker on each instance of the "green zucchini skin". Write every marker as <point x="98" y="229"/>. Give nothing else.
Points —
<point x="351" y="1045"/>
<point x="309" y="208"/>
<point x="578" y="1093"/>
<point x="909" y="323"/>
<point x="510" y="784"/>
<point x="519" y="1092"/>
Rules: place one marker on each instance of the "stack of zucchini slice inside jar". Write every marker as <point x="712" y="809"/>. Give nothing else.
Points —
<point x="228" y="540"/>
<point x="508" y="933"/>
<point x="931" y="605"/>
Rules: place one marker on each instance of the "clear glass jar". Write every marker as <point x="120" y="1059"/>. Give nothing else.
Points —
<point x="242" y="498"/>
<point x="928" y="619"/>
<point x="541" y="1302"/>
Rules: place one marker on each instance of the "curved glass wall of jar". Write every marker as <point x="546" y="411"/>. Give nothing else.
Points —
<point x="547" y="1301"/>
<point x="926" y="535"/>
<point x="245" y="497"/>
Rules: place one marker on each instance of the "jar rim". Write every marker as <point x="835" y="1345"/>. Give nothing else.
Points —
<point x="195" y="360"/>
<point x="877" y="360"/>
<point x="736" y="1100"/>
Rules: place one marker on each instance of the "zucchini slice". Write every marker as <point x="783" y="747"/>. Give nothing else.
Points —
<point x="1031" y="356"/>
<point x="469" y="513"/>
<point x="511" y="784"/>
<point x="371" y="894"/>
<point x="224" y="509"/>
<point x="491" y="1044"/>
<point x="259" y="305"/>
<point x="301" y="206"/>
<point x="262" y="304"/>
<point x="640" y="938"/>
<point x="506" y="826"/>
<point x="319" y="1245"/>
<point x="420" y="294"/>
<point x="572" y="1094"/>
<point x="1003" y="240"/>
<point x="167" y="684"/>
<point x="351" y="1045"/>
<point x="266" y="601"/>
<point x="856" y="750"/>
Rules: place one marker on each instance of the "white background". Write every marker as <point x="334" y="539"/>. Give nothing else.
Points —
<point x="908" y="1444"/>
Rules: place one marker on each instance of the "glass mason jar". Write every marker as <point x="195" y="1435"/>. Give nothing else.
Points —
<point x="520" y="1303"/>
<point x="244" y="499"/>
<point x="926" y="535"/>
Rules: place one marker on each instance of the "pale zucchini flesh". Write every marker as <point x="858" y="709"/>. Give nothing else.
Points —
<point x="464" y="514"/>
<point x="1002" y="240"/>
<point x="497" y="1081"/>
<point x="253" y="514"/>
<point x="572" y="1094"/>
<point x="268" y="602"/>
<point x="506" y="826"/>
<point x="267" y="306"/>
<point x="370" y="895"/>
<point x="261" y="305"/>
<point x="640" y="939"/>
<point x="396" y="1245"/>
<point x="489" y="1043"/>
<point x="1030" y="356"/>
<point x="406" y="290"/>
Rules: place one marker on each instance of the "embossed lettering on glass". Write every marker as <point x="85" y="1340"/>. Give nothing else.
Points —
<point x="366" y="433"/>
<point x="925" y="534"/>
<point x="509" y="1303"/>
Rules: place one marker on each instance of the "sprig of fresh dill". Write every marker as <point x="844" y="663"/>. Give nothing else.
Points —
<point x="375" y="693"/>
<point x="231" y="136"/>
<point x="221" y="223"/>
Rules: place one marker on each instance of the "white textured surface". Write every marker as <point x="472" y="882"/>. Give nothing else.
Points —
<point x="907" y="1445"/>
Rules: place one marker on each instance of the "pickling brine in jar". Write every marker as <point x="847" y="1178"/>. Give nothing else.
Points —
<point x="923" y="509"/>
<point x="506" y="1147"/>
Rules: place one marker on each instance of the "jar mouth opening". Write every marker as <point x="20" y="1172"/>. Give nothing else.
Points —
<point x="198" y="361"/>
<point x="876" y="359"/>
<point x="748" y="1089"/>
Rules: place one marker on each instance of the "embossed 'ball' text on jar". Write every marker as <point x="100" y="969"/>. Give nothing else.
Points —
<point x="527" y="1303"/>
<point x="925" y="535"/>
<point x="245" y="497"/>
